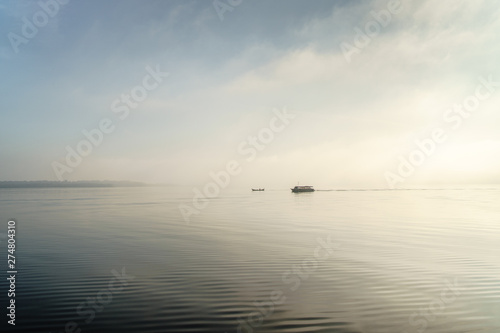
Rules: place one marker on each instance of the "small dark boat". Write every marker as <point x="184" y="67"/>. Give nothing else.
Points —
<point x="302" y="188"/>
<point x="257" y="189"/>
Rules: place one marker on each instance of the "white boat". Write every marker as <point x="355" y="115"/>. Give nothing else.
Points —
<point x="302" y="188"/>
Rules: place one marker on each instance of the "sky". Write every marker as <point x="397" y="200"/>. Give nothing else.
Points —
<point x="335" y="94"/>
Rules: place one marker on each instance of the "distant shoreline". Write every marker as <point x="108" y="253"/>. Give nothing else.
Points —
<point x="69" y="184"/>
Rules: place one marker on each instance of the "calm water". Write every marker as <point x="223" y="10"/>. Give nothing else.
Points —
<point x="273" y="261"/>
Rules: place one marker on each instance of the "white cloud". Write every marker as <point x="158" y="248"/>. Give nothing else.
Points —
<point x="352" y="118"/>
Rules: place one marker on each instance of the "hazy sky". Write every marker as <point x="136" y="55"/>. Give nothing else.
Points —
<point x="360" y="91"/>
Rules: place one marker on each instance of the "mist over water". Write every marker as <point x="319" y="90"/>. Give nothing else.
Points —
<point x="124" y="260"/>
<point x="358" y="98"/>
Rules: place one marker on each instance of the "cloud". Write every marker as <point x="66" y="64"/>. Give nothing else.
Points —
<point x="353" y="118"/>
